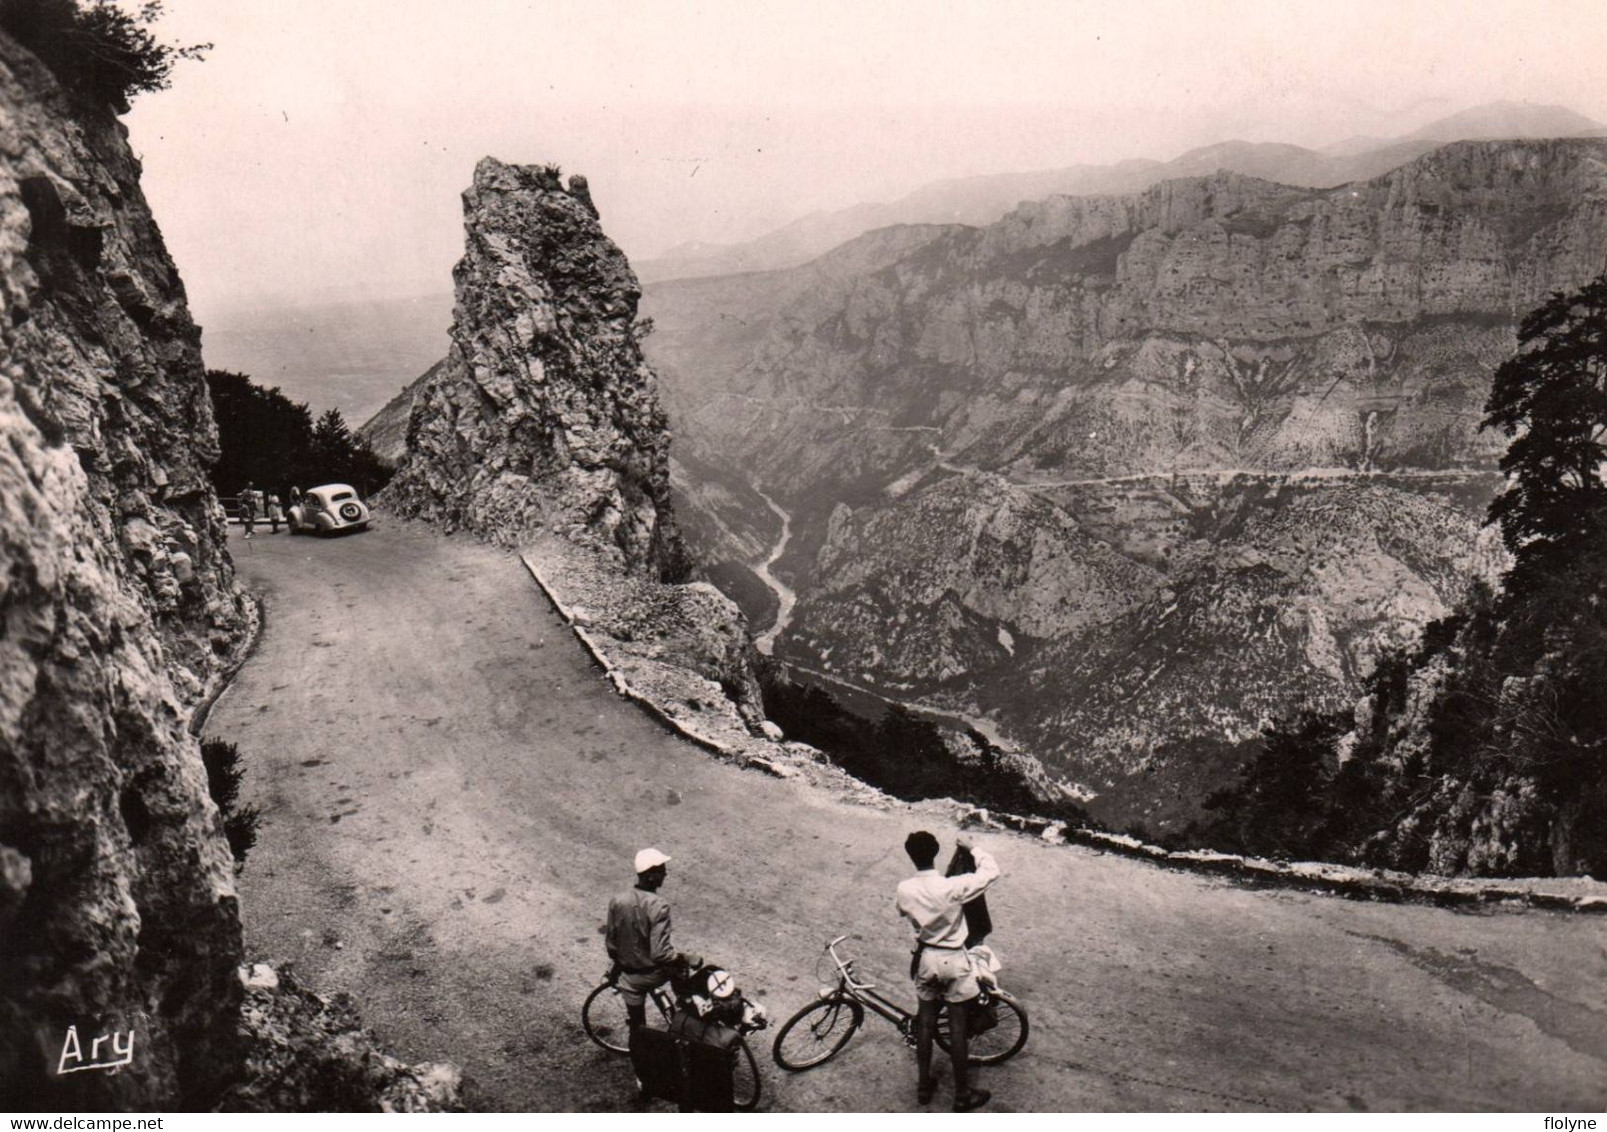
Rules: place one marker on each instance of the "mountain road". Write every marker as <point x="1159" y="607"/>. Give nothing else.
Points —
<point x="451" y="791"/>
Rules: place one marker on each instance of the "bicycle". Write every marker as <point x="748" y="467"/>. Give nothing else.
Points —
<point x="836" y="1015"/>
<point x="606" y="1023"/>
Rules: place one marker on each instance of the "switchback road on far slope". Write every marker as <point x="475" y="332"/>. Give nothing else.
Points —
<point x="451" y="792"/>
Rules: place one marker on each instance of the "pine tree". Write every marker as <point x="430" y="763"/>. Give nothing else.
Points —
<point x="266" y="439"/>
<point x="331" y="439"/>
<point x="1550" y="399"/>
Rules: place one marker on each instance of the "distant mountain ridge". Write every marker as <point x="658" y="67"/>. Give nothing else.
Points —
<point x="1059" y="468"/>
<point x="981" y="200"/>
<point x="1249" y="297"/>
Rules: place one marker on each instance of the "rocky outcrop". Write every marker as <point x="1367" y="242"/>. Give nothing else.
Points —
<point x="117" y="610"/>
<point x="541" y="430"/>
<point x="306" y="1052"/>
<point x="543" y="416"/>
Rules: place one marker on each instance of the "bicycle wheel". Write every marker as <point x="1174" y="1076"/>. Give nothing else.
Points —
<point x="745" y="1078"/>
<point x="605" y="1019"/>
<point x="817" y="1033"/>
<point x="1001" y="1043"/>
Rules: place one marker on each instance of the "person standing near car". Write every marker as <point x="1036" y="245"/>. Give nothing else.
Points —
<point x="940" y="966"/>
<point x="638" y="936"/>
<point x="248" y="508"/>
<point x="276" y="512"/>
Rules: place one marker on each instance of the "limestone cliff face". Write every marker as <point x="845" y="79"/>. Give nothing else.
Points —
<point x="117" y="610"/>
<point x="971" y="565"/>
<point x="1001" y="408"/>
<point x="544" y="416"/>
<point x="1205" y="323"/>
<point x="1288" y="601"/>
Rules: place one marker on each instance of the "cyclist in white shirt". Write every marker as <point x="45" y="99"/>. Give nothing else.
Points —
<point x="941" y="967"/>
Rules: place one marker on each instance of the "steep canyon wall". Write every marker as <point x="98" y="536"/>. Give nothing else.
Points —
<point x="117" y="610"/>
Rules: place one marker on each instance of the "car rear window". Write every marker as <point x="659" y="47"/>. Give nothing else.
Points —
<point x="336" y="498"/>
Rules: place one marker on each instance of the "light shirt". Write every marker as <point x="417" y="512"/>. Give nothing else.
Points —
<point x="933" y="903"/>
<point x="638" y="936"/>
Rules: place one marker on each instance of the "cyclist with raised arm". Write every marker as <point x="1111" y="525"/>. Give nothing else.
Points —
<point x="941" y="967"/>
<point x="638" y="937"/>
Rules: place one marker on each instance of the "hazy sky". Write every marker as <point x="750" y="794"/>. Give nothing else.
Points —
<point x="321" y="148"/>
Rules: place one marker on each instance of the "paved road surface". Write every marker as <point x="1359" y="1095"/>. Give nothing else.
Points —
<point x="452" y="791"/>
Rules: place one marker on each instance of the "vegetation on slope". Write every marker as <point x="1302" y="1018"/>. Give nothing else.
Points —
<point x="98" y="51"/>
<point x="1484" y="749"/>
<point x="273" y="443"/>
<point x="224" y="774"/>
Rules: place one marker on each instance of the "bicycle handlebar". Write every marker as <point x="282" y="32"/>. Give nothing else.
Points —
<point x="846" y="966"/>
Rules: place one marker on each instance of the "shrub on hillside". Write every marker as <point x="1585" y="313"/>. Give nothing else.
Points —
<point x="223" y="777"/>
<point x="97" y="50"/>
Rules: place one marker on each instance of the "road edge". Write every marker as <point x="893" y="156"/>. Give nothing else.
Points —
<point x="1317" y="877"/>
<point x="225" y="679"/>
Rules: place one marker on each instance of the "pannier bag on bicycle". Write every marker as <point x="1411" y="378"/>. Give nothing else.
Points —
<point x="984" y="1013"/>
<point x="710" y="1049"/>
<point x="659" y="1066"/>
<point x="692" y="1064"/>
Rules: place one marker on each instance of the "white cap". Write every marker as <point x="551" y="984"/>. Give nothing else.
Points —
<point x="649" y="859"/>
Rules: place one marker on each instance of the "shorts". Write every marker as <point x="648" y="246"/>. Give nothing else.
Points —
<point x="945" y="976"/>
<point x="633" y="987"/>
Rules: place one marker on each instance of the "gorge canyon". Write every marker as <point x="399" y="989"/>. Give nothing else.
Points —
<point x="1132" y="476"/>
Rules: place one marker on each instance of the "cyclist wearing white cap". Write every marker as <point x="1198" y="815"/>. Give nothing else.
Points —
<point x="638" y="938"/>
